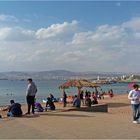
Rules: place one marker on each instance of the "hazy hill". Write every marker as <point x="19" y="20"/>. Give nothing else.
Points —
<point x="55" y="74"/>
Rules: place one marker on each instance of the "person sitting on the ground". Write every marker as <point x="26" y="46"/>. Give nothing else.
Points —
<point x="51" y="96"/>
<point x="76" y="101"/>
<point x="94" y="99"/>
<point x="49" y="104"/>
<point x="38" y="107"/>
<point x="88" y="102"/>
<point x="111" y="93"/>
<point x="14" y="110"/>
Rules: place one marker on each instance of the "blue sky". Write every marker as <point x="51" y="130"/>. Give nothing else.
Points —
<point x="74" y="35"/>
<point x="91" y="13"/>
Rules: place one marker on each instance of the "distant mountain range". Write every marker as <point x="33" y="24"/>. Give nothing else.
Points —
<point x="55" y="74"/>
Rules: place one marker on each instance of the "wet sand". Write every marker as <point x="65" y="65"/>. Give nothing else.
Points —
<point x="65" y="124"/>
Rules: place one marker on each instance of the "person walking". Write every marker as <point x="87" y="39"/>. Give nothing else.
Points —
<point x="134" y="96"/>
<point x="30" y="95"/>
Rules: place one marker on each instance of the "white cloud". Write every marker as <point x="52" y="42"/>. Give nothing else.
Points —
<point x="71" y="56"/>
<point x="104" y="37"/>
<point x="56" y="30"/>
<point x="106" y="48"/>
<point x="16" y="34"/>
<point x="133" y="24"/>
<point x="8" y="18"/>
<point x="4" y="32"/>
<point x="82" y="38"/>
<point x="137" y="35"/>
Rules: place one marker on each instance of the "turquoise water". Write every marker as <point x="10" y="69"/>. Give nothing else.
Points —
<point x="14" y="89"/>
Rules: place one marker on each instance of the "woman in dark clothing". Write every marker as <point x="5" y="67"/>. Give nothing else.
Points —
<point x="82" y="97"/>
<point x="64" y="99"/>
<point x="50" y="104"/>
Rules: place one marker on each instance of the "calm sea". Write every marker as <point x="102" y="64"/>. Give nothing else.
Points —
<point x="14" y="89"/>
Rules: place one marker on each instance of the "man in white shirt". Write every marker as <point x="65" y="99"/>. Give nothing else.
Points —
<point x="134" y="96"/>
<point x="30" y="95"/>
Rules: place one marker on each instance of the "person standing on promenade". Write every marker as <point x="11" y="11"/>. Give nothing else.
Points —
<point x="30" y="95"/>
<point x="82" y="97"/>
<point x="134" y="96"/>
<point x="64" y="99"/>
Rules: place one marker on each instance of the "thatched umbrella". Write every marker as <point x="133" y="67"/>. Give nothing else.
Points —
<point x="79" y="84"/>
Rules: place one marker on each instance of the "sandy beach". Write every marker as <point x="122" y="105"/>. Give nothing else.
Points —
<point x="66" y="124"/>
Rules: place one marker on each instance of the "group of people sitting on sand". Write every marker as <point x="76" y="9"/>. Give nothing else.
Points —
<point x="108" y="93"/>
<point x="15" y="110"/>
<point x="88" y="98"/>
<point x="49" y="106"/>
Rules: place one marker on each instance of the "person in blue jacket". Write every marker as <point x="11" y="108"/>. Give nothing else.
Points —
<point x="14" y="110"/>
<point x="76" y="102"/>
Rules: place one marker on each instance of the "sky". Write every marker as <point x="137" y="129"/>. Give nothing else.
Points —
<point x="78" y="36"/>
